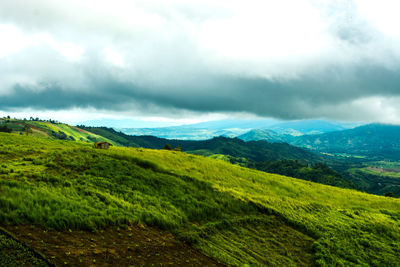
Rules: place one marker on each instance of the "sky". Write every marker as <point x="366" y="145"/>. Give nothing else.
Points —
<point x="187" y="61"/>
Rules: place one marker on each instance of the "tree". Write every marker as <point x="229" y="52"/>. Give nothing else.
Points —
<point x="390" y="194"/>
<point x="5" y="129"/>
<point x="167" y="147"/>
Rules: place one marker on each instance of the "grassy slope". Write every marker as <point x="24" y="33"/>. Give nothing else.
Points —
<point x="45" y="129"/>
<point x="351" y="227"/>
<point x="232" y="213"/>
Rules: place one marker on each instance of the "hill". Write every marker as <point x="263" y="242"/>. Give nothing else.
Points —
<point x="49" y="129"/>
<point x="203" y="130"/>
<point x="182" y="133"/>
<point x="308" y="127"/>
<point x="375" y="140"/>
<point x="254" y="150"/>
<point x="234" y="128"/>
<point x="265" y="135"/>
<point x="232" y="214"/>
<point x="253" y="154"/>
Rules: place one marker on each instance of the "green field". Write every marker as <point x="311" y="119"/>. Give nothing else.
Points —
<point x="237" y="215"/>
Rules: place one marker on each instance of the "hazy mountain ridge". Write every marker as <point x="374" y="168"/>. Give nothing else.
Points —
<point x="184" y="133"/>
<point x="366" y="140"/>
<point x="309" y="126"/>
<point x="253" y="150"/>
<point x="237" y="128"/>
<point x="266" y="135"/>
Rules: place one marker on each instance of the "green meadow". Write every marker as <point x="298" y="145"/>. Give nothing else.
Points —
<point x="234" y="214"/>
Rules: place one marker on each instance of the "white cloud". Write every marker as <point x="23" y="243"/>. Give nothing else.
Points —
<point x="114" y="57"/>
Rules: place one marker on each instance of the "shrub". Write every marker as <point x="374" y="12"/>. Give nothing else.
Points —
<point x="390" y="194"/>
<point x="167" y="147"/>
<point x="5" y="129"/>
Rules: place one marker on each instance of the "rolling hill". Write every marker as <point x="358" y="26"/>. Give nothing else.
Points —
<point x="254" y="150"/>
<point x="265" y="135"/>
<point x="92" y="199"/>
<point x="259" y="155"/>
<point x="303" y="127"/>
<point x="51" y="129"/>
<point x="371" y="140"/>
<point x="235" y="128"/>
<point x="182" y="133"/>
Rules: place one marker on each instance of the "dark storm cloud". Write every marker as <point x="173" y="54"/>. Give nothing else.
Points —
<point x="293" y="99"/>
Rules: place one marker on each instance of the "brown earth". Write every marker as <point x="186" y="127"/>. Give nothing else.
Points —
<point x="133" y="246"/>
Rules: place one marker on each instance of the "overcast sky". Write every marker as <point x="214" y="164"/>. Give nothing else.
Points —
<point x="189" y="61"/>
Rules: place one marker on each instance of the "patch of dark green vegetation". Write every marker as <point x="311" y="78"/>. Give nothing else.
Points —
<point x="318" y="172"/>
<point x="14" y="254"/>
<point x="5" y="129"/>
<point x="377" y="184"/>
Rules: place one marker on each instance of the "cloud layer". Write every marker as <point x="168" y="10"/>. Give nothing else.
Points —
<point x="283" y="59"/>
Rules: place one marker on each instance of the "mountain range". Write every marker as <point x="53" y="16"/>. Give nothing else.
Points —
<point x="236" y="128"/>
<point x="371" y="139"/>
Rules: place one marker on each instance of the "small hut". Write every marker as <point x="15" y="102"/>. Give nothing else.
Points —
<point x="102" y="145"/>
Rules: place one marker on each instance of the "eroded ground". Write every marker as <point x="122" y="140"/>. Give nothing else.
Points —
<point x="129" y="246"/>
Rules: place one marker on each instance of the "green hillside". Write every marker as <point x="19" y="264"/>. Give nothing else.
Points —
<point x="50" y="129"/>
<point x="236" y="215"/>
<point x="252" y="154"/>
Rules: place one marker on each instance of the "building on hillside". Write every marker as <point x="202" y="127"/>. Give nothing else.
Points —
<point x="102" y="145"/>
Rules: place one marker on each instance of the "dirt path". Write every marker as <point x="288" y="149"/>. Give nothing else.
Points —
<point x="134" y="246"/>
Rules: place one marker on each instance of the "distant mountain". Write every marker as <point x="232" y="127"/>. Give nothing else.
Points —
<point x="371" y="139"/>
<point x="257" y="151"/>
<point x="183" y="133"/>
<point x="124" y="123"/>
<point x="201" y="131"/>
<point x="237" y="128"/>
<point x="302" y="127"/>
<point x="287" y="131"/>
<point x="266" y="135"/>
<point x="235" y="124"/>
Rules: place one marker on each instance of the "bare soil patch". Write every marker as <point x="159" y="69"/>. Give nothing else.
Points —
<point x="114" y="246"/>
